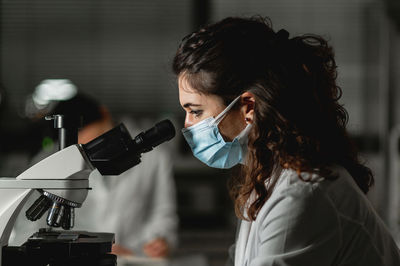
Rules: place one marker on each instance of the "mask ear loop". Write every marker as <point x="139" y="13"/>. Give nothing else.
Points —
<point x="221" y="115"/>
<point x="242" y="137"/>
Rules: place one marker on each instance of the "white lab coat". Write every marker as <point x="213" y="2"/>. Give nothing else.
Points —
<point x="138" y="206"/>
<point x="316" y="223"/>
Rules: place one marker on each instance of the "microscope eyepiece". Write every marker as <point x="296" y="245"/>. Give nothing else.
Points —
<point x="115" y="151"/>
<point x="156" y="135"/>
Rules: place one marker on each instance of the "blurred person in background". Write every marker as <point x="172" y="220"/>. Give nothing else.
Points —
<point x="139" y="205"/>
<point x="256" y="97"/>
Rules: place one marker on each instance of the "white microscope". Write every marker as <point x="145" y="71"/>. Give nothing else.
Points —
<point x="62" y="180"/>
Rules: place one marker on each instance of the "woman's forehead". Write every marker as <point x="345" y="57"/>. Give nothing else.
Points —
<point x="187" y="94"/>
<point x="190" y="96"/>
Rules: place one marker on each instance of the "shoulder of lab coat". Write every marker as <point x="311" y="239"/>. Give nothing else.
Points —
<point x="298" y="225"/>
<point x="310" y="222"/>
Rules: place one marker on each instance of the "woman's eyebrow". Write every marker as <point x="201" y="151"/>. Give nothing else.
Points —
<point x="186" y="105"/>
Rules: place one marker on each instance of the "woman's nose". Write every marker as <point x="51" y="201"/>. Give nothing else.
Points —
<point x="188" y="123"/>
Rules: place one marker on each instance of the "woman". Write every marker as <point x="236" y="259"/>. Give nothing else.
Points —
<point x="269" y="102"/>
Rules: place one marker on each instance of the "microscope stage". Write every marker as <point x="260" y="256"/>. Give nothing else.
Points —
<point x="70" y="243"/>
<point x="59" y="247"/>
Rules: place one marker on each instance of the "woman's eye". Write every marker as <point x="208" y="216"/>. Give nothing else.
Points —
<point x="196" y="113"/>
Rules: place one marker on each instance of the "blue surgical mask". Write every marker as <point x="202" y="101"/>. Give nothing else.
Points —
<point x="209" y="146"/>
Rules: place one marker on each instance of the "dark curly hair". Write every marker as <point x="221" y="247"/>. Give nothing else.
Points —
<point x="298" y="122"/>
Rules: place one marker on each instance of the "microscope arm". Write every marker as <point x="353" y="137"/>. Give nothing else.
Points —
<point x="63" y="175"/>
<point x="11" y="202"/>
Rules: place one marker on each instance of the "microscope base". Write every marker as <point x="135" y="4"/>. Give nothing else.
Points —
<point x="62" y="248"/>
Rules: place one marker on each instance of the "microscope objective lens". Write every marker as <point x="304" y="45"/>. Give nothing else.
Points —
<point x="66" y="219"/>
<point x="59" y="217"/>
<point x="38" y="208"/>
<point x="53" y="212"/>
<point x="72" y="217"/>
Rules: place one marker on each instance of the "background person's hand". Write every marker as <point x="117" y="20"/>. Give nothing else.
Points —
<point x="156" y="248"/>
<point x="121" y="251"/>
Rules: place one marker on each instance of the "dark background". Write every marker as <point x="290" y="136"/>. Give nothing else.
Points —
<point x="120" y="52"/>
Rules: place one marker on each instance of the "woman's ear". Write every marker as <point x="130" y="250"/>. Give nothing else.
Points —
<point x="248" y="101"/>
